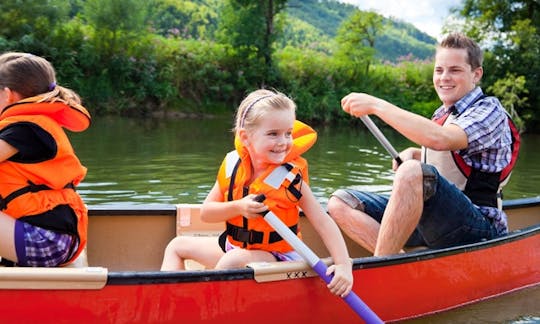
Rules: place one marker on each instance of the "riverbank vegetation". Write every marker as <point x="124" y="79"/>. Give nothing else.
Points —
<point x="137" y="57"/>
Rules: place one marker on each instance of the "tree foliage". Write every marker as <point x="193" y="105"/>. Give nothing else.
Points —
<point x="511" y="92"/>
<point x="510" y="30"/>
<point x="252" y="28"/>
<point x="184" y="18"/>
<point x="356" y="38"/>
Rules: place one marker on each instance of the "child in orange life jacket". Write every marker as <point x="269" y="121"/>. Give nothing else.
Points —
<point x="43" y="221"/>
<point x="266" y="161"/>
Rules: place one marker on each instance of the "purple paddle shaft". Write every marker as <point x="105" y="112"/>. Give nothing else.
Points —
<point x="358" y="306"/>
<point x="352" y="299"/>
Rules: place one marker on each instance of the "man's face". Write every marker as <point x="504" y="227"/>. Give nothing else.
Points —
<point x="453" y="77"/>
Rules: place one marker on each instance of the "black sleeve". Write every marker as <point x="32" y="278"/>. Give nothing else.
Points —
<point x="33" y="142"/>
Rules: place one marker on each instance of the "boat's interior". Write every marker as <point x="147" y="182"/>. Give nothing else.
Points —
<point x="135" y="238"/>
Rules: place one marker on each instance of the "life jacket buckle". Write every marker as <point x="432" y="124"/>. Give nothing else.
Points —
<point x="243" y="235"/>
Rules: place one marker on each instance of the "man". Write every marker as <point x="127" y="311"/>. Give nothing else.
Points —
<point x="446" y="193"/>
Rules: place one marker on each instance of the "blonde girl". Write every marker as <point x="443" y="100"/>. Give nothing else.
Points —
<point x="268" y="139"/>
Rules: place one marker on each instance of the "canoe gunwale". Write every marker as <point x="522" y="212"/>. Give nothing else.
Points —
<point x="521" y="203"/>
<point x="428" y="254"/>
<point x="170" y="210"/>
<point x="132" y="210"/>
<point x="172" y="277"/>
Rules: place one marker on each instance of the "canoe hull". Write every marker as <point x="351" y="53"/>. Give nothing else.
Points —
<point x="399" y="287"/>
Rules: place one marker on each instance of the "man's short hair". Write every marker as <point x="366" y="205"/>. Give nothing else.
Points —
<point x="460" y="41"/>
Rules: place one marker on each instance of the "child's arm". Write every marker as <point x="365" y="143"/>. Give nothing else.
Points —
<point x="214" y="209"/>
<point x="6" y="150"/>
<point x="327" y="229"/>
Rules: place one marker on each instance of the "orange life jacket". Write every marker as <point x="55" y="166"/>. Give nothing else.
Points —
<point x="28" y="189"/>
<point x="281" y="184"/>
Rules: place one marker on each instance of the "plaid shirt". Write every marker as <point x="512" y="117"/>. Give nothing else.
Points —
<point x="490" y="140"/>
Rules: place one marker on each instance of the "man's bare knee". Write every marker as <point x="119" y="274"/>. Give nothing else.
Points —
<point x="343" y="199"/>
<point x="408" y="174"/>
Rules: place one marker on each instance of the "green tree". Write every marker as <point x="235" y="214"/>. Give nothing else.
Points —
<point x="356" y="38"/>
<point x="184" y="18"/>
<point x="29" y="24"/>
<point x="115" y="22"/>
<point x="511" y="90"/>
<point x="252" y="28"/>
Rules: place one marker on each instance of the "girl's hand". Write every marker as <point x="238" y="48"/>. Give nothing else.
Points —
<point x="341" y="284"/>
<point x="250" y="208"/>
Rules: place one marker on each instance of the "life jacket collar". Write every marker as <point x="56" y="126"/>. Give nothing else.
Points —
<point x="72" y="117"/>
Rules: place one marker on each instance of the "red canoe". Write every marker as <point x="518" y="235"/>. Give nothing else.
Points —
<point x="122" y="283"/>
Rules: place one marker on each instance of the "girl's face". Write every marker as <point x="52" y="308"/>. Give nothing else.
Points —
<point x="271" y="140"/>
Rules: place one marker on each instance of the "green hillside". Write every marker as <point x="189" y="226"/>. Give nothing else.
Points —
<point x="309" y="24"/>
<point x="314" y="24"/>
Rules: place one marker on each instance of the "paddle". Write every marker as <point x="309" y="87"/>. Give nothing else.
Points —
<point x="382" y="139"/>
<point x="317" y="264"/>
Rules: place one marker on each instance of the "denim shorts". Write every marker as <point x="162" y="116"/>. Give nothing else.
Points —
<point x="449" y="217"/>
<point x="39" y="247"/>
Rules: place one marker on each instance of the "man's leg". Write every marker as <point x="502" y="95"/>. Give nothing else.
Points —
<point x="358" y="215"/>
<point x="355" y="224"/>
<point x="403" y="211"/>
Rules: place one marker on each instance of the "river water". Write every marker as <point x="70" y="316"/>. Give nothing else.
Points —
<point x="175" y="161"/>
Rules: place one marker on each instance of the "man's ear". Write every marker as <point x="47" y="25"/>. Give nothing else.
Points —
<point x="478" y="72"/>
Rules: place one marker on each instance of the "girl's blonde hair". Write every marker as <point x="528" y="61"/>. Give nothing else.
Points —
<point x="257" y="104"/>
<point x="30" y="75"/>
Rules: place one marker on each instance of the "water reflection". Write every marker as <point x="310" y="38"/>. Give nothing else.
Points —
<point x="176" y="161"/>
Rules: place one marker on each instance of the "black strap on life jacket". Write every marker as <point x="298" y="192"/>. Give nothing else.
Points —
<point x="230" y="196"/>
<point x="254" y="237"/>
<point x="32" y="187"/>
<point x="292" y="189"/>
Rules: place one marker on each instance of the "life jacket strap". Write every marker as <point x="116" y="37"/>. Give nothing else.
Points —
<point x="254" y="237"/>
<point x="32" y="187"/>
<point x="284" y="172"/>
<point x="292" y="189"/>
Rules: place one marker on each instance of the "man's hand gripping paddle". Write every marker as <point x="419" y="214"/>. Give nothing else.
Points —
<point x="317" y="264"/>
